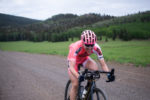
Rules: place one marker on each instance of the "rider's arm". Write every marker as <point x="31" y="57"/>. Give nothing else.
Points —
<point x="103" y="65"/>
<point x="98" y="52"/>
<point x="72" y="68"/>
<point x="73" y="50"/>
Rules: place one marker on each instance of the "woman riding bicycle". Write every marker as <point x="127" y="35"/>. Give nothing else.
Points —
<point x="79" y="53"/>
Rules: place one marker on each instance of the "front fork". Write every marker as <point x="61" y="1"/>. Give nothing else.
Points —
<point x="90" y="95"/>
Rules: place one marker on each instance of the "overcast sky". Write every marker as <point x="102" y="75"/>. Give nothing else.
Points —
<point x="43" y="9"/>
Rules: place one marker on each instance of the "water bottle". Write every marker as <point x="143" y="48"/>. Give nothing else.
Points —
<point x="81" y="91"/>
<point x="84" y="93"/>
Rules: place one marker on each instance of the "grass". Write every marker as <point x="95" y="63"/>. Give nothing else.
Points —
<point x="136" y="52"/>
<point x="59" y="48"/>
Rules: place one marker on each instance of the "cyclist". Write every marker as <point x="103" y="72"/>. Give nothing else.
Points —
<point x="79" y="55"/>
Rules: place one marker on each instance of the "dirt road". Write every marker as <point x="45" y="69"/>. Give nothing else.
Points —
<point x="26" y="76"/>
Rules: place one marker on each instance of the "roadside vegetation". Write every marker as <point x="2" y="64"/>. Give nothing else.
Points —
<point x="64" y="26"/>
<point x="123" y="39"/>
<point x="135" y="52"/>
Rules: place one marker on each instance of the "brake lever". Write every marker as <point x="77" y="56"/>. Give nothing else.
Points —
<point x="112" y="71"/>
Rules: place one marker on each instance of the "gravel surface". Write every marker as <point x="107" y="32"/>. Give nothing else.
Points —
<point x="25" y="76"/>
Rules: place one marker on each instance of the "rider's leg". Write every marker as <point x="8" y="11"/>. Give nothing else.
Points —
<point x="74" y="88"/>
<point x="90" y="64"/>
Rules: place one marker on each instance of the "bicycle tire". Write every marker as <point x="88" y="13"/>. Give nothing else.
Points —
<point x="66" y="97"/>
<point x="100" y="95"/>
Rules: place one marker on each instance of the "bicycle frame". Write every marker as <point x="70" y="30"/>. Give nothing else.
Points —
<point x="91" y="77"/>
<point x="89" y="91"/>
<point x="92" y="88"/>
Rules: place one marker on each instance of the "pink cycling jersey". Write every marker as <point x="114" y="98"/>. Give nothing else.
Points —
<point x="78" y="53"/>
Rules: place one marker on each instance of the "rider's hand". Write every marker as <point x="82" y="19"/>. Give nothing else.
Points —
<point x="111" y="77"/>
<point x="81" y="78"/>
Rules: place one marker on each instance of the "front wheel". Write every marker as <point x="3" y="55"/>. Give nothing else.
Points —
<point x="67" y="90"/>
<point x="98" y="94"/>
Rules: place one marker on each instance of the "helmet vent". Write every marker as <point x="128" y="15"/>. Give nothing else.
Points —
<point x="89" y="33"/>
<point x="88" y="37"/>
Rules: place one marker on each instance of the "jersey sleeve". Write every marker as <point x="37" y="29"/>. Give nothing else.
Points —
<point x="73" y="52"/>
<point x="97" y="50"/>
<point x="71" y="55"/>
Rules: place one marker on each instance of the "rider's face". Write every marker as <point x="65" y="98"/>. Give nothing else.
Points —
<point x="88" y="48"/>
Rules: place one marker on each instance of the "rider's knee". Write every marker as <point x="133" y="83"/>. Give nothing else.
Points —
<point x="75" y="85"/>
<point x="96" y="67"/>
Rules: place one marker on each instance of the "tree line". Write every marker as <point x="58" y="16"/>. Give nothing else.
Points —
<point x="64" y="26"/>
<point x="50" y="28"/>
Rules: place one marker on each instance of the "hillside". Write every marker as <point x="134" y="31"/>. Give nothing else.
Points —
<point x="138" y="17"/>
<point x="56" y="24"/>
<point x="62" y="22"/>
<point x="135" y="26"/>
<point x="13" y="21"/>
<point x="63" y="26"/>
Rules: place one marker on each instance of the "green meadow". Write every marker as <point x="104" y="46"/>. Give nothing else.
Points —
<point x="136" y="51"/>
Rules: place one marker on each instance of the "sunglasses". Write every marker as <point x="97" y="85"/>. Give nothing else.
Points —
<point x="87" y="45"/>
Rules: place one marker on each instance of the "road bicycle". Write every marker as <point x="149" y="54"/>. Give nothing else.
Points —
<point x="92" y="92"/>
